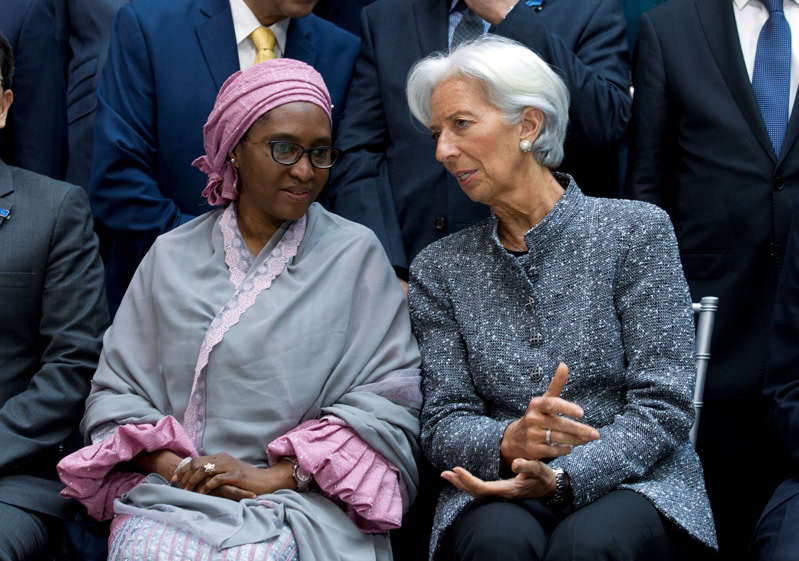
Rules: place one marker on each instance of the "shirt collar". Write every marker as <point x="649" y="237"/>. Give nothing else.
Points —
<point x="245" y="22"/>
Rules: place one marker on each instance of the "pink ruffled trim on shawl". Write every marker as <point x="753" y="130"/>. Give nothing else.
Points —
<point x="346" y="469"/>
<point x="89" y="473"/>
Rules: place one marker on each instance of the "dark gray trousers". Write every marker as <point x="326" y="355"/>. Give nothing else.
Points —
<point x="24" y="534"/>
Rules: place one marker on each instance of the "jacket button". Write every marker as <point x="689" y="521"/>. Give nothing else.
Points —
<point x="537" y="374"/>
<point x="440" y="224"/>
<point x="530" y="305"/>
<point x="536" y="340"/>
<point x="779" y="183"/>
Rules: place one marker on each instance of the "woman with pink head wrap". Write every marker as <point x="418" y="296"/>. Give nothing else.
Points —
<point x="258" y="392"/>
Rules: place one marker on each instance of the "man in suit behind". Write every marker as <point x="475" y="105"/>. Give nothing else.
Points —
<point x="166" y="62"/>
<point x="702" y="149"/>
<point x="388" y="178"/>
<point x="344" y="13"/>
<point x="85" y="27"/>
<point x="35" y="135"/>
<point x="54" y="314"/>
<point x="776" y="538"/>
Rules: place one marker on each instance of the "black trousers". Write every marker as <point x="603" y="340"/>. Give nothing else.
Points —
<point x="621" y="526"/>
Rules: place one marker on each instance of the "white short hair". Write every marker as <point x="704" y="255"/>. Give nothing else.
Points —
<point x="514" y="78"/>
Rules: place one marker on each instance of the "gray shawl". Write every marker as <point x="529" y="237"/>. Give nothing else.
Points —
<point x="324" y="331"/>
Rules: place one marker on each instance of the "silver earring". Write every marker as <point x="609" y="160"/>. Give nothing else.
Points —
<point x="526" y="146"/>
<point x="233" y="160"/>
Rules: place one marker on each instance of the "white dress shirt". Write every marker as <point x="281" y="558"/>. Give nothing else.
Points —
<point x="244" y="23"/>
<point x="750" y="16"/>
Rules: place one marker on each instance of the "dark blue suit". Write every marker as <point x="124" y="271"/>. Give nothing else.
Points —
<point x="166" y="62"/>
<point x="344" y="13"/>
<point x="700" y="150"/>
<point x="389" y="179"/>
<point x="776" y="537"/>
<point x="35" y="136"/>
<point x="86" y="26"/>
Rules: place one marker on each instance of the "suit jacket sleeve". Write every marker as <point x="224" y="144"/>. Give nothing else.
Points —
<point x="654" y="309"/>
<point x="37" y="117"/>
<point x="457" y="429"/>
<point x="360" y="189"/>
<point x="125" y="192"/>
<point x="74" y="315"/>
<point x="781" y="382"/>
<point x="651" y="149"/>
<point x="595" y="70"/>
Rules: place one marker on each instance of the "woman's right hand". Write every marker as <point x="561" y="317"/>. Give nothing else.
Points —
<point x="526" y="438"/>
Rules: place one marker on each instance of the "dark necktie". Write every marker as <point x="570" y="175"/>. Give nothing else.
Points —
<point x="771" y="78"/>
<point x="470" y="27"/>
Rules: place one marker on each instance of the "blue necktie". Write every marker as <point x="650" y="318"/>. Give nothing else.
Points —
<point x="470" y="27"/>
<point x="771" y="79"/>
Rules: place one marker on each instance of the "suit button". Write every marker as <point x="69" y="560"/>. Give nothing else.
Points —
<point x="530" y="305"/>
<point x="440" y="224"/>
<point x="779" y="183"/>
<point x="536" y="340"/>
<point x="772" y="251"/>
<point x="537" y="374"/>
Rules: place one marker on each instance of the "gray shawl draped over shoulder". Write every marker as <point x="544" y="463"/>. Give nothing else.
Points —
<point x="329" y="336"/>
<point x="601" y="289"/>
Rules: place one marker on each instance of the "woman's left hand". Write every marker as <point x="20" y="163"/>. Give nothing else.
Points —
<point x="205" y="474"/>
<point x="534" y="480"/>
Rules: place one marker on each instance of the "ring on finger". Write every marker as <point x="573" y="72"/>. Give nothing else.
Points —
<point x="549" y="437"/>
<point x="209" y="467"/>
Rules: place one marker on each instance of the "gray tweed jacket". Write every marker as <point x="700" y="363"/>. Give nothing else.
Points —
<point x="602" y="290"/>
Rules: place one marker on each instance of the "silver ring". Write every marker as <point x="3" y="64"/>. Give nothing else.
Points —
<point x="549" y="437"/>
<point x="209" y="468"/>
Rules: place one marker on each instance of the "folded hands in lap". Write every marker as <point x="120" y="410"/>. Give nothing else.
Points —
<point x="547" y="430"/>
<point x="220" y="475"/>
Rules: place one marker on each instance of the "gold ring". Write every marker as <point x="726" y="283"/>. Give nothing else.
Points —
<point x="209" y="468"/>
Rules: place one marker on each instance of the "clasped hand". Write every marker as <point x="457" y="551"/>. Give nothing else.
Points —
<point x="547" y="430"/>
<point x="220" y="475"/>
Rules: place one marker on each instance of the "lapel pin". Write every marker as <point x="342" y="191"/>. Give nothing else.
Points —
<point x="5" y="213"/>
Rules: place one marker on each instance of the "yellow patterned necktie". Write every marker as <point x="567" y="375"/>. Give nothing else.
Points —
<point x="264" y="41"/>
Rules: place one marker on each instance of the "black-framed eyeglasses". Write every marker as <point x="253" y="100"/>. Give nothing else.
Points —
<point x="289" y="153"/>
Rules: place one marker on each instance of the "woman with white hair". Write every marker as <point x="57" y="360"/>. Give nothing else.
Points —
<point x="557" y="307"/>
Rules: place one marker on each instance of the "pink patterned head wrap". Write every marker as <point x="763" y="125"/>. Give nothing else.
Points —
<point x="244" y="97"/>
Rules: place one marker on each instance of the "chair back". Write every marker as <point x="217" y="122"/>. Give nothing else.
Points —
<point x="705" y="312"/>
